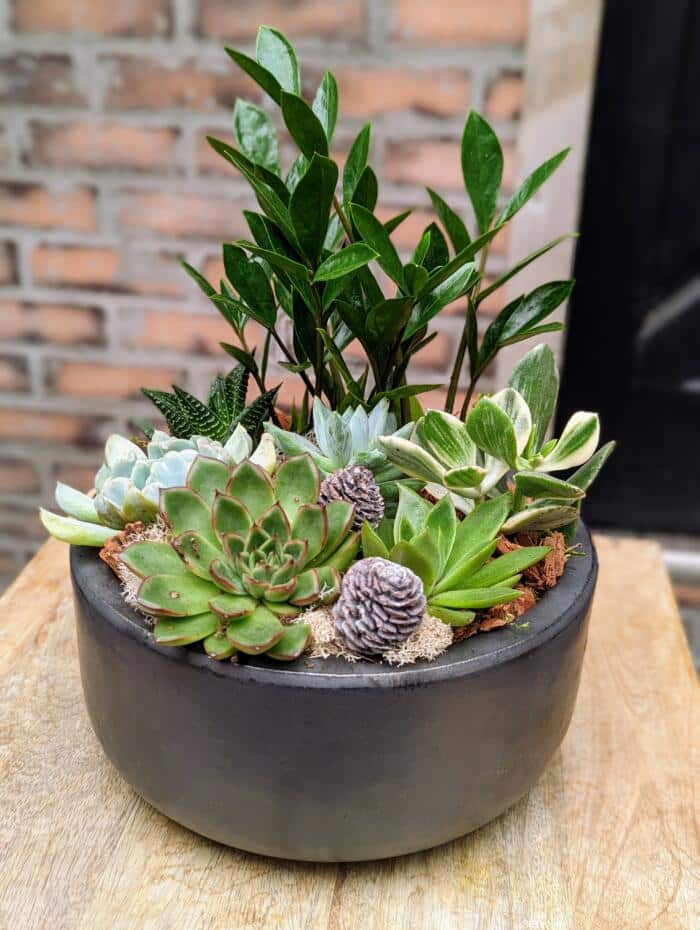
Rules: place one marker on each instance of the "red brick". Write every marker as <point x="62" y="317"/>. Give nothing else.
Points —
<point x="213" y="268"/>
<point x="140" y="83"/>
<point x="4" y="148"/>
<point x="188" y="215"/>
<point x="92" y="379"/>
<point x="365" y="93"/>
<point x="504" y="97"/>
<point x="99" y="17"/>
<point x="38" y="207"/>
<point x="136" y="272"/>
<point x="222" y="19"/>
<point x="42" y="425"/>
<point x="14" y="375"/>
<point x="105" y="146"/>
<point x="435" y="164"/>
<point x="18" y="477"/>
<point x="81" y="477"/>
<point x="191" y="333"/>
<point x="46" y="80"/>
<point x="454" y="22"/>
<point x="54" y="323"/>
<point x="8" y="263"/>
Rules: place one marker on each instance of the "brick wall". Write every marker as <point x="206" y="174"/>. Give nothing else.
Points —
<point x="105" y="179"/>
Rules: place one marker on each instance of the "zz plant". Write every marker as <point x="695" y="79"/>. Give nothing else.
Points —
<point x="314" y="246"/>
<point x="247" y="550"/>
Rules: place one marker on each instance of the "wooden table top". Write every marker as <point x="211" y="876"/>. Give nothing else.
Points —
<point x="607" y="839"/>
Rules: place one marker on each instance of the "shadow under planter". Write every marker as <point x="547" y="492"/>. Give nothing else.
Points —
<point x="323" y="760"/>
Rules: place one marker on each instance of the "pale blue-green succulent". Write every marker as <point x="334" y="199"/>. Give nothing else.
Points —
<point x="345" y="439"/>
<point x="129" y="482"/>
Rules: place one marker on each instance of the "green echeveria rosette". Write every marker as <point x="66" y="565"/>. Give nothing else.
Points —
<point x="128" y="484"/>
<point x="248" y="551"/>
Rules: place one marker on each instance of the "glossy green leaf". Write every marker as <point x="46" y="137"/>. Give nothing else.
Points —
<point x="518" y="267"/>
<point x="257" y="72"/>
<point x="279" y="261"/>
<point x="396" y="221"/>
<point x="325" y="104"/>
<point x="536" y="379"/>
<point x="184" y="632"/>
<point x="180" y="595"/>
<point x="367" y="190"/>
<point x="480" y="526"/>
<point x="274" y="52"/>
<point x="259" y="178"/>
<point x="311" y="203"/>
<point x="374" y="234"/>
<point x="454" y="225"/>
<point x="152" y="558"/>
<point x="256" y="135"/>
<point x="388" y="319"/>
<point x="441" y="525"/>
<point x="304" y="126"/>
<point x="345" y="261"/>
<point x="459" y="282"/>
<point x="460" y="259"/>
<point x="482" y="168"/>
<point x="534" y="308"/>
<point x="531" y="185"/>
<point x="356" y="162"/>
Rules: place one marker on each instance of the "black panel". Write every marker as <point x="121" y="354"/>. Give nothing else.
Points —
<point x="633" y="340"/>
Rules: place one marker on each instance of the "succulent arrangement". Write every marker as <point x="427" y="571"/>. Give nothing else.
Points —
<point x="360" y="510"/>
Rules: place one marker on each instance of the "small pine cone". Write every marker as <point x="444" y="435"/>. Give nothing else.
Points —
<point x="356" y="485"/>
<point x="381" y="603"/>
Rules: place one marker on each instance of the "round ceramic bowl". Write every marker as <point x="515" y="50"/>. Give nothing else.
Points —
<point x="324" y="760"/>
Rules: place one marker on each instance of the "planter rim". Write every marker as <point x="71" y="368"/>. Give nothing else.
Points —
<point x="550" y="615"/>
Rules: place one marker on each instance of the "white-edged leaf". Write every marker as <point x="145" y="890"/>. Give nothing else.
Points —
<point x="445" y="436"/>
<point x="538" y="485"/>
<point x="576" y="444"/>
<point x="536" y="379"/>
<point x="411" y="459"/>
<point x="547" y="517"/>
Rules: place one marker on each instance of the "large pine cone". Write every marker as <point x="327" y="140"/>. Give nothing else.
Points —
<point x="380" y="605"/>
<point x="356" y="485"/>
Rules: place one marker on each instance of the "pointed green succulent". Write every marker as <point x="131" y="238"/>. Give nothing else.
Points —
<point x="453" y="558"/>
<point x="247" y="550"/>
<point x="348" y="438"/>
<point x="224" y="410"/>
<point x="504" y="433"/>
<point x="129" y="482"/>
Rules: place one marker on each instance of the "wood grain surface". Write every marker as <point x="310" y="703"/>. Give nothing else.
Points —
<point x="607" y="839"/>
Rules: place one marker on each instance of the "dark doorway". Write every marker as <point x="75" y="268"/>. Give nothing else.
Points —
<point x="633" y="340"/>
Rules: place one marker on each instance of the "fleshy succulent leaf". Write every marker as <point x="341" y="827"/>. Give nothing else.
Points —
<point x="185" y="631"/>
<point x="257" y="632"/>
<point x="196" y="552"/>
<point x="175" y="595"/>
<point x="207" y="476"/>
<point x="311" y="523"/>
<point x="297" y="483"/>
<point x="185" y="510"/>
<point x="152" y="558"/>
<point x="292" y="643"/>
<point x="232" y="606"/>
<point x="498" y="571"/>
<point x="76" y="504"/>
<point x="475" y="598"/>
<point x="218" y="646"/>
<point x="253" y="487"/>
<point x="76" y="532"/>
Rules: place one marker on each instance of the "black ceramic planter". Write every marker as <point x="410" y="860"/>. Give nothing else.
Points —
<point x="324" y="760"/>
